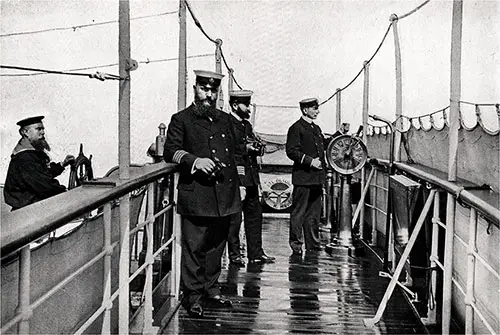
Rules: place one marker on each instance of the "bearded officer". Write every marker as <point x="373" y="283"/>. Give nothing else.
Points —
<point x="200" y="139"/>
<point x="248" y="171"/>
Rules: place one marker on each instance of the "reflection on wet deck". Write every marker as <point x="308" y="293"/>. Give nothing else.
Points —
<point x="315" y="293"/>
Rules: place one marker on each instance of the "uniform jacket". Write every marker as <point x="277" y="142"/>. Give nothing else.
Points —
<point x="304" y="142"/>
<point x="30" y="176"/>
<point x="246" y="162"/>
<point x="191" y="136"/>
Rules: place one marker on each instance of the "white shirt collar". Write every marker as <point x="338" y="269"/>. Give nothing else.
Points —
<point x="307" y="119"/>
<point x="236" y="116"/>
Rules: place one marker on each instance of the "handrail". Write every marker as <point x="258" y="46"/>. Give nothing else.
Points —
<point x="456" y="188"/>
<point x="25" y="225"/>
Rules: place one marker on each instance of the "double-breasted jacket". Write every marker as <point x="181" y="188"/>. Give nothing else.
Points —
<point x="304" y="142"/>
<point x="191" y="136"/>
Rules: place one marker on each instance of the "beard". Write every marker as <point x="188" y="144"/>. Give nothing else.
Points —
<point x="242" y="114"/>
<point x="202" y="109"/>
<point x="41" y="145"/>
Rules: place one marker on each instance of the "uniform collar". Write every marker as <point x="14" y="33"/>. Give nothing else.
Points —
<point x="307" y="119"/>
<point x="236" y="116"/>
<point x="23" y="145"/>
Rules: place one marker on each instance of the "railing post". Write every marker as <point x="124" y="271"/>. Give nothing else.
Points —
<point x="399" y="84"/>
<point x="471" y="269"/>
<point x="431" y="314"/>
<point x="182" y="72"/>
<point x="366" y="99"/>
<point x="148" y="284"/>
<point x="218" y="69"/>
<point x="448" y="263"/>
<point x="175" y="277"/>
<point x="338" y="110"/>
<point x="231" y="80"/>
<point x="374" y="207"/>
<point x="24" y="307"/>
<point x="455" y="88"/>
<point x="106" y="296"/>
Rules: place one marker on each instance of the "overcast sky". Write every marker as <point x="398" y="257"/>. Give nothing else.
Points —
<point x="282" y="50"/>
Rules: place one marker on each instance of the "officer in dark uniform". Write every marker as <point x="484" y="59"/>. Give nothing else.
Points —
<point x="201" y="140"/>
<point x="305" y="145"/>
<point x="248" y="148"/>
<point x="31" y="174"/>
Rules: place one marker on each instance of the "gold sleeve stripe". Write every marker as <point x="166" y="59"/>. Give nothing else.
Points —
<point x="178" y="156"/>
<point x="241" y="170"/>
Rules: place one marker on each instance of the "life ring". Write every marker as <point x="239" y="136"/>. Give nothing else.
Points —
<point x="277" y="194"/>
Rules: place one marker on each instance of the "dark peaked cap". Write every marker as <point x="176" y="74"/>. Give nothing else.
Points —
<point x="208" y="78"/>
<point x="30" y="120"/>
<point x="309" y="102"/>
<point x="241" y="96"/>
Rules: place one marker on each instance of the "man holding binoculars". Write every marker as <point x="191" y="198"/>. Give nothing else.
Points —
<point x="249" y="147"/>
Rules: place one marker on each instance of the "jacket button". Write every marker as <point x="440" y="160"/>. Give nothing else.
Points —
<point x="223" y="135"/>
<point x="227" y="149"/>
<point x="211" y="137"/>
<point x="213" y="151"/>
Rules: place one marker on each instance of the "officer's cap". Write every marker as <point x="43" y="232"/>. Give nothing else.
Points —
<point x="30" y="120"/>
<point x="208" y="79"/>
<point x="309" y="102"/>
<point x="241" y="96"/>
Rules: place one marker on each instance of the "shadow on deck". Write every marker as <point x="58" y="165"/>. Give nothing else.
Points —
<point x="317" y="293"/>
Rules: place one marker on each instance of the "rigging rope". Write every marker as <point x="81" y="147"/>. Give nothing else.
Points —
<point x="198" y="24"/>
<point x="98" y="75"/>
<point x="74" y="28"/>
<point x="414" y="10"/>
<point x="147" y="61"/>
<point x="361" y="71"/>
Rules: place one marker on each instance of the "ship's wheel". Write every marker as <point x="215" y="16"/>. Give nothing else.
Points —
<point x="81" y="170"/>
<point x="346" y="154"/>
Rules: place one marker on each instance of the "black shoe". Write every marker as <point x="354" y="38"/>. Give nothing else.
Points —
<point x="315" y="249"/>
<point x="262" y="259"/>
<point x="195" y="310"/>
<point x="218" y="301"/>
<point x="238" y="262"/>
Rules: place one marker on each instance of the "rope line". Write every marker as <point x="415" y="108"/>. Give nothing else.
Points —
<point x="227" y="66"/>
<point x="361" y="71"/>
<point x="98" y="75"/>
<point x="275" y="106"/>
<point x="414" y="10"/>
<point x="198" y="24"/>
<point x="147" y="61"/>
<point x="474" y="104"/>
<point x="74" y="28"/>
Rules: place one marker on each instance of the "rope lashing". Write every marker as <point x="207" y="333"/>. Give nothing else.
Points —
<point x="104" y="76"/>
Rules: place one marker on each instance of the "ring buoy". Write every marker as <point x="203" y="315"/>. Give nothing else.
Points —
<point x="277" y="194"/>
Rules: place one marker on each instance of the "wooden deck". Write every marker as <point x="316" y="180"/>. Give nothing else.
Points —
<point x="317" y="293"/>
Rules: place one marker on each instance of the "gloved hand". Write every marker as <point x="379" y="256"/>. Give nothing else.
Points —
<point x="69" y="159"/>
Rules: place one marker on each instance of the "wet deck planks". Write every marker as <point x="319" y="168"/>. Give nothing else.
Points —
<point x="318" y="293"/>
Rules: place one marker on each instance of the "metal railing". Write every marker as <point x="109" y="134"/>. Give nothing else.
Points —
<point x="75" y="206"/>
<point x="458" y="195"/>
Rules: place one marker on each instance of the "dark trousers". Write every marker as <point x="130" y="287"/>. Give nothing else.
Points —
<point x="203" y="242"/>
<point x="305" y="217"/>
<point x="253" y="227"/>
